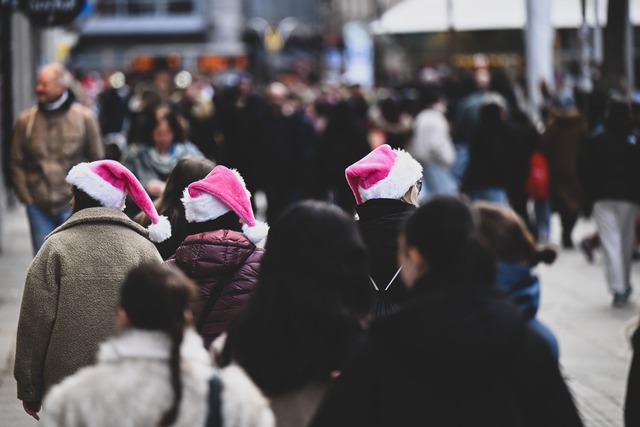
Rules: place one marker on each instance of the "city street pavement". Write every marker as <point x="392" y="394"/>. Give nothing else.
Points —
<point x="594" y="348"/>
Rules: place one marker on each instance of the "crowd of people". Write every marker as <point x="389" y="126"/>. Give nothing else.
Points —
<point x="396" y="285"/>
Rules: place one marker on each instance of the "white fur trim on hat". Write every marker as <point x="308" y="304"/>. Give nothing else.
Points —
<point x="406" y="171"/>
<point x="160" y="231"/>
<point x="88" y="181"/>
<point x="257" y="233"/>
<point x="202" y="208"/>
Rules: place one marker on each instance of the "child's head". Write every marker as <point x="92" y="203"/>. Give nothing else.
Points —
<point x="156" y="298"/>
<point x="508" y="236"/>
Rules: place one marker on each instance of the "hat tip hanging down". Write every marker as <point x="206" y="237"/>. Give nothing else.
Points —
<point x="108" y="182"/>
<point x="160" y="231"/>
<point x="257" y="233"/>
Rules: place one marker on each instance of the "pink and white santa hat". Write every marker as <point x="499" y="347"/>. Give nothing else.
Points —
<point x="384" y="173"/>
<point x="222" y="191"/>
<point x="108" y="182"/>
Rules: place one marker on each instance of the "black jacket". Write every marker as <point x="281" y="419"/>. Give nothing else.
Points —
<point x="609" y="166"/>
<point x="452" y="357"/>
<point x="379" y="222"/>
<point x="631" y="408"/>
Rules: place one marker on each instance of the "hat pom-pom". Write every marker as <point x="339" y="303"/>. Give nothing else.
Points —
<point x="160" y="231"/>
<point x="257" y="233"/>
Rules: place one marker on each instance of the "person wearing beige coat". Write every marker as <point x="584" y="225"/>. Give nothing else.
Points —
<point x="70" y="295"/>
<point x="48" y="140"/>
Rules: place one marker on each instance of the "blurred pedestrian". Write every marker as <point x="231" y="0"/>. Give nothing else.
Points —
<point x="286" y="136"/>
<point x="525" y="142"/>
<point x="490" y="152"/>
<point x="461" y="354"/>
<point x="72" y="284"/>
<point x="560" y="144"/>
<point x="220" y="251"/>
<point x="48" y="140"/>
<point x="164" y="144"/>
<point x="432" y="146"/>
<point x="308" y="310"/>
<point x="155" y="371"/>
<point x="241" y="117"/>
<point x="609" y="170"/>
<point x="169" y="204"/>
<point x="342" y="144"/>
<point x="385" y="184"/>
<point x="389" y="118"/>
<point x="517" y="254"/>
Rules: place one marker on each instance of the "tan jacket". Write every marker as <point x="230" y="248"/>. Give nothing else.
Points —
<point x="45" y="146"/>
<point x="70" y="295"/>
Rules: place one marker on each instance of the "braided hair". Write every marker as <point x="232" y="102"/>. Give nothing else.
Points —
<point x="156" y="298"/>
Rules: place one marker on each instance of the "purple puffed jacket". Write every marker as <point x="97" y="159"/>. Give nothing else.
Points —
<point x="206" y="258"/>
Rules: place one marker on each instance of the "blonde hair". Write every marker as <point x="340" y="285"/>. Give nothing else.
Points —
<point x="411" y="196"/>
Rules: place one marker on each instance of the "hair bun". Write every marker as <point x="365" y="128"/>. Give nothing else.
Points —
<point x="546" y="254"/>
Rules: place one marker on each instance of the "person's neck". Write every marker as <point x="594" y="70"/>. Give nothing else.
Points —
<point x="54" y="105"/>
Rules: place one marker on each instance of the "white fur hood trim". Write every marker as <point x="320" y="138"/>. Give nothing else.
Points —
<point x="138" y="343"/>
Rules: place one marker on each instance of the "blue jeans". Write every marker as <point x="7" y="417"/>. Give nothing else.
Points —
<point x="42" y="223"/>
<point x="437" y="179"/>
<point x="462" y="160"/>
<point x="542" y="209"/>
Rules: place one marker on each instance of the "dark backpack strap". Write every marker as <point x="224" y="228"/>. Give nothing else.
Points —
<point x="217" y="291"/>
<point x="214" y="417"/>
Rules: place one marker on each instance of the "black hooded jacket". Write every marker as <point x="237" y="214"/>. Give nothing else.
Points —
<point x="453" y="356"/>
<point x="379" y="222"/>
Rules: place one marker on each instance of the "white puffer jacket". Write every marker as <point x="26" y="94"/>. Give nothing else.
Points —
<point x="130" y="387"/>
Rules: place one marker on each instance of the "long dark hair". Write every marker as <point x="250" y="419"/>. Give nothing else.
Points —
<point x="187" y="170"/>
<point x="156" y="298"/>
<point x="443" y="231"/>
<point x="310" y="303"/>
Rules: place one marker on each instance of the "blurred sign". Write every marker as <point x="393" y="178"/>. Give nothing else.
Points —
<point x="149" y="62"/>
<point x="273" y="41"/>
<point x="51" y="12"/>
<point x="358" y="54"/>
<point x="216" y="63"/>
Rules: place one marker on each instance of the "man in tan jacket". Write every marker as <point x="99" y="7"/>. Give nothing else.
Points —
<point x="48" y="140"/>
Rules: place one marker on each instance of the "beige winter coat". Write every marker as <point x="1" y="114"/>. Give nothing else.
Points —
<point x="70" y="295"/>
<point x="45" y="146"/>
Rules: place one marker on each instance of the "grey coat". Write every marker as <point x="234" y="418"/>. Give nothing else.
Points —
<point x="70" y="295"/>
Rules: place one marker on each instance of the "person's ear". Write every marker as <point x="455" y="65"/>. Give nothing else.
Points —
<point x="122" y="319"/>
<point x="417" y="260"/>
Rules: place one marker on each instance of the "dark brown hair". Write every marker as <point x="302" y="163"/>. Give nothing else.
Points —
<point x="187" y="170"/>
<point x="81" y="200"/>
<point x="508" y="236"/>
<point x="156" y="298"/>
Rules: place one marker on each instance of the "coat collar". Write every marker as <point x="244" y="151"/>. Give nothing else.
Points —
<point x="94" y="215"/>
<point x="154" y="345"/>
<point x="376" y="208"/>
